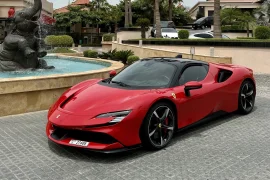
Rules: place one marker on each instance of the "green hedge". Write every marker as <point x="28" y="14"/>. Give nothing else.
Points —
<point x="109" y="37"/>
<point x="56" y="41"/>
<point x="203" y="42"/>
<point x="183" y="34"/>
<point x="262" y="32"/>
<point x="132" y="59"/>
<point x="90" y="54"/>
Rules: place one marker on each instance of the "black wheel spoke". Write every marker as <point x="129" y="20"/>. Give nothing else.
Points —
<point x="249" y="93"/>
<point x="161" y="138"/>
<point x="167" y="127"/>
<point x="153" y="132"/>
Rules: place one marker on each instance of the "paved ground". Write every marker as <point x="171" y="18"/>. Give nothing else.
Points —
<point x="234" y="147"/>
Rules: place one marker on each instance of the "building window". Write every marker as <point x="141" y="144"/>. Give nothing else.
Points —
<point x="210" y="13"/>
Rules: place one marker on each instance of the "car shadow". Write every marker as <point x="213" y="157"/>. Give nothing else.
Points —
<point x="90" y="156"/>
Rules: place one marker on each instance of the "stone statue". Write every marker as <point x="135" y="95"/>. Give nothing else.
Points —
<point x="263" y="13"/>
<point x="21" y="49"/>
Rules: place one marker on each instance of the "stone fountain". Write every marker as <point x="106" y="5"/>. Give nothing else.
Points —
<point x="22" y="49"/>
<point x="263" y="14"/>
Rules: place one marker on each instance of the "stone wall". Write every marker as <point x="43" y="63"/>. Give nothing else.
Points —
<point x="144" y="52"/>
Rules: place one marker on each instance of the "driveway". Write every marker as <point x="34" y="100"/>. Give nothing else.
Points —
<point x="232" y="147"/>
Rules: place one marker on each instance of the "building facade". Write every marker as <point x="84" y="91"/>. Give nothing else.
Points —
<point x="206" y="8"/>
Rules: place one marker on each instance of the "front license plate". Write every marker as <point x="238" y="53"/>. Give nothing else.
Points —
<point x="79" y="143"/>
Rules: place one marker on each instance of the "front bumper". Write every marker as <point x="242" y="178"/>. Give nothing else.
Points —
<point x="102" y="138"/>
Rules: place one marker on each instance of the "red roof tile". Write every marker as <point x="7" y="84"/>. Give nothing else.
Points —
<point x="81" y="2"/>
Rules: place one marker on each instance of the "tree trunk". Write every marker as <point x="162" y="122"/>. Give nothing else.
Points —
<point x="170" y="9"/>
<point x="126" y="14"/>
<point x="158" y="25"/>
<point x="247" y="29"/>
<point x="217" y="22"/>
<point x="154" y="13"/>
<point x="143" y="32"/>
<point x="130" y="13"/>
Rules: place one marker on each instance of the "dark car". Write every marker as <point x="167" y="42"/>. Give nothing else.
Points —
<point x="203" y="22"/>
<point x="164" y="24"/>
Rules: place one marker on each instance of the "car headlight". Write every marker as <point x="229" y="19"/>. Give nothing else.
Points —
<point x="118" y="116"/>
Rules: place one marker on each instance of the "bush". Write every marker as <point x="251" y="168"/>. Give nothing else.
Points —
<point x="107" y="55"/>
<point x="132" y="59"/>
<point x="245" y="38"/>
<point x="122" y="55"/>
<point x="232" y="28"/>
<point x="183" y="34"/>
<point x="90" y="54"/>
<point x="57" y="41"/>
<point x="262" y="32"/>
<point x="108" y="37"/>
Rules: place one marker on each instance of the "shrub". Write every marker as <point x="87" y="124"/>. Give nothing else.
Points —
<point x="90" y="54"/>
<point x="144" y="23"/>
<point x="132" y="59"/>
<point x="107" y="55"/>
<point x="262" y="32"/>
<point x="122" y="55"/>
<point x="183" y="34"/>
<point x="108" y="37"/>
<point x="64" y="40"/>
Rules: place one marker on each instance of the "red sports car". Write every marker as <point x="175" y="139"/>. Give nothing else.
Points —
<point x="147" y="102"/>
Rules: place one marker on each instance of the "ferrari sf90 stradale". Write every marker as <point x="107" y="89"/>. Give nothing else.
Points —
<point x="147" y="102"/>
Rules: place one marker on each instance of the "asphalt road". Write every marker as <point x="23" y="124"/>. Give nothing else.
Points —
<point x="232" y="147"/>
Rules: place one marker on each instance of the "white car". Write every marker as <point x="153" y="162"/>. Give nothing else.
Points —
<point x="170" y="33"/>
<point x="205" y="35"/>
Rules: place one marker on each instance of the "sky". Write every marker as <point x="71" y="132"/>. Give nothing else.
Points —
<point x="62" y="3"/>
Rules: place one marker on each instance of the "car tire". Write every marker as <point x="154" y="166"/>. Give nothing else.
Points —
<point x="158" y="126"/>
<point x="246" y="97"/>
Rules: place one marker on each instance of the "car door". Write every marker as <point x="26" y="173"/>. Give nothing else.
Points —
<point x="199" y="104"/>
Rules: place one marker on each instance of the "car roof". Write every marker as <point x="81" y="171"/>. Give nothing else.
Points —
<point x="176" y="61"/>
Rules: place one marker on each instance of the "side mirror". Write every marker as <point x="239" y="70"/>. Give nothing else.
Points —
<point x="113" y="73"/>
<point x="191" y="86"/>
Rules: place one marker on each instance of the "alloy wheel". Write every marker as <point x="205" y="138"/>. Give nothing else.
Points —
<point x="247" y="97"/>
<point x="161" y="126"/>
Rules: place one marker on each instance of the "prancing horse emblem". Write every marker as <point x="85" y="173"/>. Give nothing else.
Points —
<point x="57" y="116"/>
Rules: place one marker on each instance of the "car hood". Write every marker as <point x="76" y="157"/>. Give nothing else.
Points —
<point x="98" y="99"/>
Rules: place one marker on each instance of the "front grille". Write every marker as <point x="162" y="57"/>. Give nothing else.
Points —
<point x="61" y="134"/>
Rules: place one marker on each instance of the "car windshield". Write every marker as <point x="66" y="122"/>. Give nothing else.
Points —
<point x="168" y="30"/>
<point x="200" y="20"/>
<point x="146" y="73"/>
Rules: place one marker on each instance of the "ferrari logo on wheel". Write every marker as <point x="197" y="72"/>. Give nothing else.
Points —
<point x="173" y="95"/>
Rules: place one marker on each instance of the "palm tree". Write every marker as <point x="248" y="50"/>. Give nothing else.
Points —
<point x="126" y="14"/>
<point x="130" y="13"/>
<point x="217" y="22"/>
<point x="157" y="18"/>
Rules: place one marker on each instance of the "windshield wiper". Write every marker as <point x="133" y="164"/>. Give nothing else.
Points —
<point x="120" y="83"/>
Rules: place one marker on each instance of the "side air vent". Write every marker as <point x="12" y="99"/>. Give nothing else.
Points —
<point x="224" y="75"/>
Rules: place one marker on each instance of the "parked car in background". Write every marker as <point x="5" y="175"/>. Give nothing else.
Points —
<point x="203" y="22"/>
<point x="169" y="33"/>
<point x="164" y="24"/>
<point x="205" y="35"/>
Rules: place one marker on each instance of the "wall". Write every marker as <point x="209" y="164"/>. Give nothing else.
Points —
<point x="144" y="52"/>
<point x="21" y="95"/>
<point x="125" y="35"/>
<point x="255" y="58"/>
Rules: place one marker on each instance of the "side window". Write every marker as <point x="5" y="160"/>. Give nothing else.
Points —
<point x="193" y="73"/>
